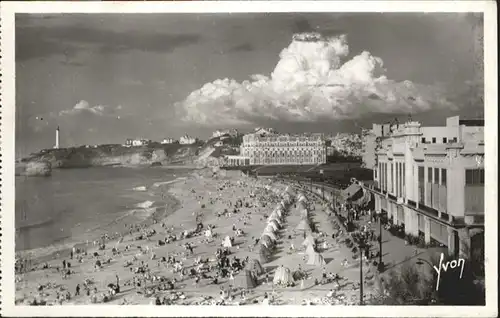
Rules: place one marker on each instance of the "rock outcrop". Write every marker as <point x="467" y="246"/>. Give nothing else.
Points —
<point x="113" y="155"/>
<point x="33" y="169"/>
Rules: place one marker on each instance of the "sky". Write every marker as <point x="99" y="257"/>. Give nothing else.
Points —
<point x="103" y="78"/>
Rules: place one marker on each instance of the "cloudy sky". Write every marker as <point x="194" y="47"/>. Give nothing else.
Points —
<point x="105" y="78"/>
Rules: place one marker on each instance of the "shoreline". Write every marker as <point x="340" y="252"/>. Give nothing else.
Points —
<point x="59" y="249"/>
<point x="210" y="195"/>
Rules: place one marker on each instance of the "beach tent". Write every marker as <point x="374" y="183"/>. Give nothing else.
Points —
<point x="273" y="215"/>
<point x="255" y="266"/>
<point x="275" y="220"/>
<point x="272" y="226"/>
<point x="270" y="235"/>
<point x="309" y="241"/>
<point x="227" y="242"/>
<point x="245" y="280"/>
<point x="302" y="205"/>
<point x="310" y="249"/>
<point x="282" y="276"/>
<point x="208" y="233"/>
<point x="316" y="259"/>
<point x="276" y="223"/>
<point x="304" y="213"/>
<point x="266" y="241"/>
<point x="264" y="254"/>
<point x="278" y="213"/>
<point x="303" y="226"/>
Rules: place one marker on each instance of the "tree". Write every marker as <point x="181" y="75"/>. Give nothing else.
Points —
<point x="416" y="284"/>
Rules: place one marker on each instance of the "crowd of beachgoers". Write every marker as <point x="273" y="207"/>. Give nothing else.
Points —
<point x="234" y="240"/>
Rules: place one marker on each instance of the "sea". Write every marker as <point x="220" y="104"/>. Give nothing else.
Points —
<point x="78" y="205"/>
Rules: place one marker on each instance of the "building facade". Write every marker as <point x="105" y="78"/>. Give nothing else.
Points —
<point x="431" y="180"/>
<point x="270" y="148"/>
<point x="167" y="141"/>
<point x="187" y="140"/>
<point x="136" y="142"/>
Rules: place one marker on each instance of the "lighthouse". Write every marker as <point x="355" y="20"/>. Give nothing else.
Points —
<point x="57" y="138"/>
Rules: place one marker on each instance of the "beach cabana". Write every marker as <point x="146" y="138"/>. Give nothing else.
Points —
<point x="310" y="249"/>
<point x="283" y="276"/>
<point x="255" y="266"/>
<point x="273" y="215"/>
<point x="275" y="223"/>
<point x="272" y="226"/>
<point x="270" y="235"/>
<point x="302" y="205"/>
<point x="278" y="212"/>
<point x="315" y="259"/>
<point x="227" y="242"/>
<point x="275" y="219"/>
<point x="264" y="254"/>
<point x="309" y="241"/>
<point x="266" y="241"/>
<point x="245" y="280"/>
<point x="303" y="226"/>
<point x="304" y="213"/>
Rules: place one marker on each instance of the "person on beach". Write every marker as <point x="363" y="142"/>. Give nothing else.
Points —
<point x="77" y="290"/>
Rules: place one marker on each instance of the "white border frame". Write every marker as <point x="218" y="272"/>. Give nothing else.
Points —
<point x="7" y="71"/>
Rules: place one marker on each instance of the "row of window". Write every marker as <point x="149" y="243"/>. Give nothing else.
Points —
<point x="474" y="177"/>
<point x="434" y="140"/>
<point x="258" y="161"/>
<point x="319" y="145"/>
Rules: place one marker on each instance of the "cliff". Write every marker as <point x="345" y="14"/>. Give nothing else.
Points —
<point x="112" y="155"/>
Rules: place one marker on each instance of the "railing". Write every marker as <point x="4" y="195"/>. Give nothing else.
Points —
<point x="412" y="203"/>
<point x="445" y="216"/>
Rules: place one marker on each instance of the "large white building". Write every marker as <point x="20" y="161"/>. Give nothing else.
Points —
<point x="167" y="141"/>
<point x="219" y="133"/>
<point x="187" y="140"/>
<point x="431" y="180"/>
<point x="266" y="147"/>
<point x="137" y="142"/>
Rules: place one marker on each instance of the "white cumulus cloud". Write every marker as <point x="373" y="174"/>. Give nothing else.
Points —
<point x="312" y="80"/>
<point x="84" y="107"/>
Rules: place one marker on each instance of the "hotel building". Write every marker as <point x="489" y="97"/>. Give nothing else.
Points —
<point x="430" y="179"/>
<point x="265" y="147"/>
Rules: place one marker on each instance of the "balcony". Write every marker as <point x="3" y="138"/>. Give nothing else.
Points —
<point x="412" y="203"/>
<point x="428" y="210"/>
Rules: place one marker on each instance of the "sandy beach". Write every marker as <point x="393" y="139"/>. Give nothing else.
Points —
<point x="186" y="259"/>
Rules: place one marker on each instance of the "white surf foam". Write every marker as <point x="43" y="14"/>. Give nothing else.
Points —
<point x="145" y="205"/>
<point x="157" y="184"/>
<point x="140" y="188"/>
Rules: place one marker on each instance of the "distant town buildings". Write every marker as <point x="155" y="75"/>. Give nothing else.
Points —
<point x="345" y="144"/>
<point x="187" y="140"/>
<point x="167" y="141"/>
<point x="430" y="180"/>
<point x="220" y="133"/>
<point x="136" y="142"/>
<point x="266" y="147"/>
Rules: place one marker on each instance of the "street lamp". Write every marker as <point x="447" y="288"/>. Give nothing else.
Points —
<point x="361" y="247"/>
<point x="380" y="261"/>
